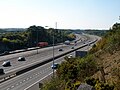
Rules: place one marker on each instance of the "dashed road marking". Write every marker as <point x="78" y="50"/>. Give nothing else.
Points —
<point x="27" y="78"/>
<point x="17" y="84"/>
<point x="12" y="86"/>
<point x="8" y="88"/>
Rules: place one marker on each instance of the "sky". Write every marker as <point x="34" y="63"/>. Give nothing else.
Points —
<point x="69" y="14"/>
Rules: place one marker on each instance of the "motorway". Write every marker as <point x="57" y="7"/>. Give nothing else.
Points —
<point x="32" y="57"/>
<point x="23" y="81"/>
<point x="26" y="79"/>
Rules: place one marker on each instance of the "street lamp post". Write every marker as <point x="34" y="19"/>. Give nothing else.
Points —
<point x="53" y="46"/>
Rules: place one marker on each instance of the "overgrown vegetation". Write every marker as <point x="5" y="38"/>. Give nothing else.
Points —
<point x="73" y="71"/>
<point x="83" y="70"/>
<point x="98" y="85"/>
<point x="110" y="42"/>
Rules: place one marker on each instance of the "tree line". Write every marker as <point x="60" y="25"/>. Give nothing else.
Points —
<point x="31" y="36"/>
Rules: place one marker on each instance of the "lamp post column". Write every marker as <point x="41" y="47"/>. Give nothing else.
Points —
<point x="53" y="45"/>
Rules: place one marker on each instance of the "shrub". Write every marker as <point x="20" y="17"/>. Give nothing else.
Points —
<point x="90" y="81"/>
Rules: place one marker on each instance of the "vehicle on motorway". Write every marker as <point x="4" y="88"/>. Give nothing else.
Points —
<point x="1" y="71"/>
<point x="67" y="42"/>
<point x="72" y="47"/>
<point x="75" y="41"/>
<point x="6" y="64"/>
<point x="42" y="44"/>
<point x="5" y="53"/>
<point x="21" y="59"/>
<point x="55" y="66"/>
<point x="70" y="56"/>
<point x="60" y="49"/>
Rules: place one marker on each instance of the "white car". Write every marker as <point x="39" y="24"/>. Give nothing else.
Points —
<point x="6" y="64"/>
<point x="70" y="56"/>
<point x="21" y="59"/>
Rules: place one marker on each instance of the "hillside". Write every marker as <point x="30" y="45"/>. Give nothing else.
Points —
<point x="100" y="68"/>
<point x="108" y="57"/>
<point x="111" y="66"/>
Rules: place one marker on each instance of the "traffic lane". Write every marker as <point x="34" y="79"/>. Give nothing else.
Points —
<point x="29" y="60"/>
<point x="11" y="56"/>
<point x="19" y="65"/>
<point x="24" y="80"/>
<point x="29" y="78"/>
<point x="27" y="53"/>
<point x="34" y="59"/>
<point x="41" y="53"/>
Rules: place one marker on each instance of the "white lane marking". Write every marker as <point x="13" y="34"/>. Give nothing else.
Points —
<point x="31" y="77"/>
<point x="37" y="81"/>
<point x="12" y="86"/>
<point x="27" y="78"/>
<point x="24" y="80"/>
<point x="8" y="88"/>
<point x="17" y="84"/>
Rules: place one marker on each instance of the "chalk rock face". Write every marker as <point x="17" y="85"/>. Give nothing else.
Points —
<point x="85" y="87"/>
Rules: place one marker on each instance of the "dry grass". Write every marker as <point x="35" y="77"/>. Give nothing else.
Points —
<point x="111" y="66"/>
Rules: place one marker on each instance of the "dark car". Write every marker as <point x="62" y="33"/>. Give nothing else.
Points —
<point x="72" y="47"/>
<point x="21" y="59"/>
<point x="6" y="64"/>
<point x="55" y="66"/>
<point x="6" y="52"/>
<point x="1" y="71"/>
<point x="60" y="49"/>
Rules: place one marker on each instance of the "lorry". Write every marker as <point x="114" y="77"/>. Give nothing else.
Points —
<point x="80" y="53"/>
<point x="42" y="44"/>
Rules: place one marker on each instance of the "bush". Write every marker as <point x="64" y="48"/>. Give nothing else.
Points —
<point x="103" y="86"/>
<point x="54" y="84"/>
<point x="90" y="81"/>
